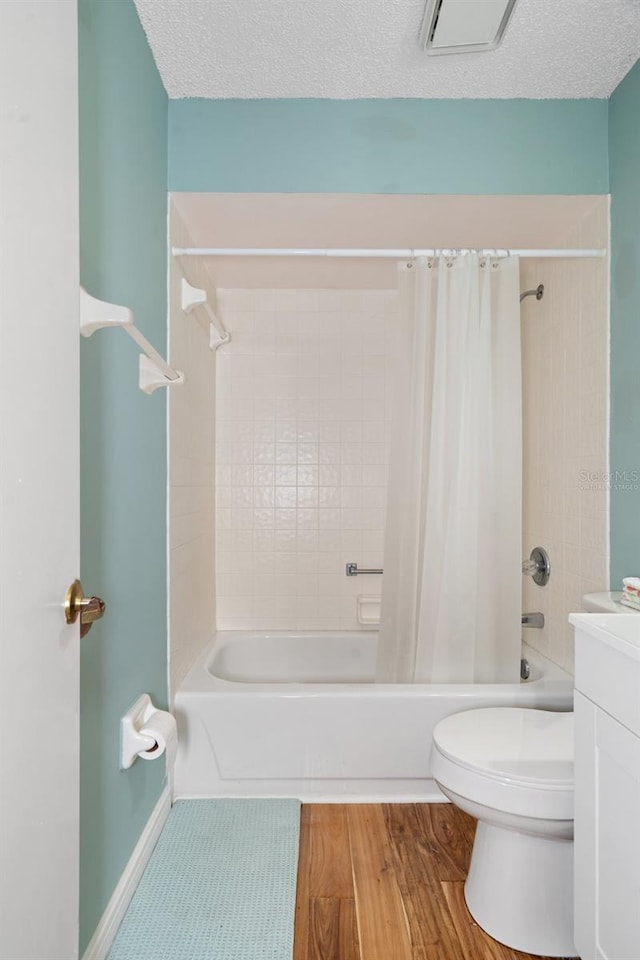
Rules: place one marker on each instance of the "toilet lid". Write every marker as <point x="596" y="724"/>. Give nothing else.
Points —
<point x="512" y="743"/>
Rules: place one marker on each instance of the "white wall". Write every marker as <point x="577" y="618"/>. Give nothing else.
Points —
<point x="301" y="455"/>
<point x="565" y="340"/>
<point x="191" y="471"/>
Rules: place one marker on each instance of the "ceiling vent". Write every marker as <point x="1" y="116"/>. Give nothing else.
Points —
<point x="464" y="26"/>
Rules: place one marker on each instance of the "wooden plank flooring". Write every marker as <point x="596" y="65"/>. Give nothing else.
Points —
<point x="385" y="882"/>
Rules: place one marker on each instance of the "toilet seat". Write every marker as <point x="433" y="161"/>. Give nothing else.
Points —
<point x="512" y="759"/>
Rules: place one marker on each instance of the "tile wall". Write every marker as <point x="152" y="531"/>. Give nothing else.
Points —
<point x="191" y="471"/>
<point x="301" y="418"/>
<point x="300" y="405"/>
<point x="565" y="394"/>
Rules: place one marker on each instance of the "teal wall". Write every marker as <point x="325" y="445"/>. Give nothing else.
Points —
<point x="389" y="146"/>
<point x="624" y="152"/>
<point x="123" y="208"/>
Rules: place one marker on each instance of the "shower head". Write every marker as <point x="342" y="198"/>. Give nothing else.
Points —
<point x="538" y="293"/>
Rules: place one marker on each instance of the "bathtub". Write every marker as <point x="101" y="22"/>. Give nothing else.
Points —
<point x="276" y="714"/>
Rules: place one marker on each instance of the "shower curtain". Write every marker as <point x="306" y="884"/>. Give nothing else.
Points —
<point x="451" y="599"/>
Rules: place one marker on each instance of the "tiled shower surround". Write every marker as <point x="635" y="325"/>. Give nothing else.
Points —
<point x="192" y="610"/>
<point x="565" y="349"/>
<point x="302" y="404"/>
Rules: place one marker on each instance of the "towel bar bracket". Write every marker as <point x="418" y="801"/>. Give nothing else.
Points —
<point x="154" y="370"/>
<point x="193" y="297"/>
<point x="150" y="377"/>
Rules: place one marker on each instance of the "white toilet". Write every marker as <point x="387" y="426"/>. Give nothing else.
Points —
<point x="512" y="769"/>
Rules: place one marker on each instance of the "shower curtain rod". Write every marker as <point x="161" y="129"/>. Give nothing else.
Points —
<point x="402" y="254"/>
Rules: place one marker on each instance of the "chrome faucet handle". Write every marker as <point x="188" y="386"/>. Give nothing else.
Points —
<point x="537" y="566"/>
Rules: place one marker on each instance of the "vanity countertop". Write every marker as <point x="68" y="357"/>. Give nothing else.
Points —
<point x="607" y="663"/>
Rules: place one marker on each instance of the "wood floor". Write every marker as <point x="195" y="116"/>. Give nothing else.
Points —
<point x="385" y="882"/>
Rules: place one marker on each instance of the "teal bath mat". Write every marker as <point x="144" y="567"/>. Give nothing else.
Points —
<point x="220" y="885"/>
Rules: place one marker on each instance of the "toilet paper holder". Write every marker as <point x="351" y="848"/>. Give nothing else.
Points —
<point x="133" y="743"/>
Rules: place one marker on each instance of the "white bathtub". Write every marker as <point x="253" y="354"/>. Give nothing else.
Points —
<point x="297" y="715"/>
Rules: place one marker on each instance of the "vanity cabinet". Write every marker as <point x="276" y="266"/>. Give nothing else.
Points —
<point x="607" y="786"/>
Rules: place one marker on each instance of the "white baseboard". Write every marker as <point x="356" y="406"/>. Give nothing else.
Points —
<point x="105" y="932"/>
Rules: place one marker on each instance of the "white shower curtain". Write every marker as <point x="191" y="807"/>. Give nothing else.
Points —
<point x="451" y="599"/>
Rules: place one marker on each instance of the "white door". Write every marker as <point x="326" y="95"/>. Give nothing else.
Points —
<point x="39" y="480"/>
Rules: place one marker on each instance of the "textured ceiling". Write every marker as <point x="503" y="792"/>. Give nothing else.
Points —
<point x="348" y="49"/>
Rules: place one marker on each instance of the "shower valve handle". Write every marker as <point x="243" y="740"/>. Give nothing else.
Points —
<point x="537" y="566"/>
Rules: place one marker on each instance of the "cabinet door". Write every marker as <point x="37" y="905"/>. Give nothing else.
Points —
<point x="607" y="836"/>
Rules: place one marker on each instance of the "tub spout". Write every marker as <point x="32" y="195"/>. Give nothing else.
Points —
<point x="533" y="620"/>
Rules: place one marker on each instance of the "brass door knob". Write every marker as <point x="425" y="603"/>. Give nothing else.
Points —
<point x="89" y="609"/>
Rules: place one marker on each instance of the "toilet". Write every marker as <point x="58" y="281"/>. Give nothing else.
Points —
<point x="512" y="769"/>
